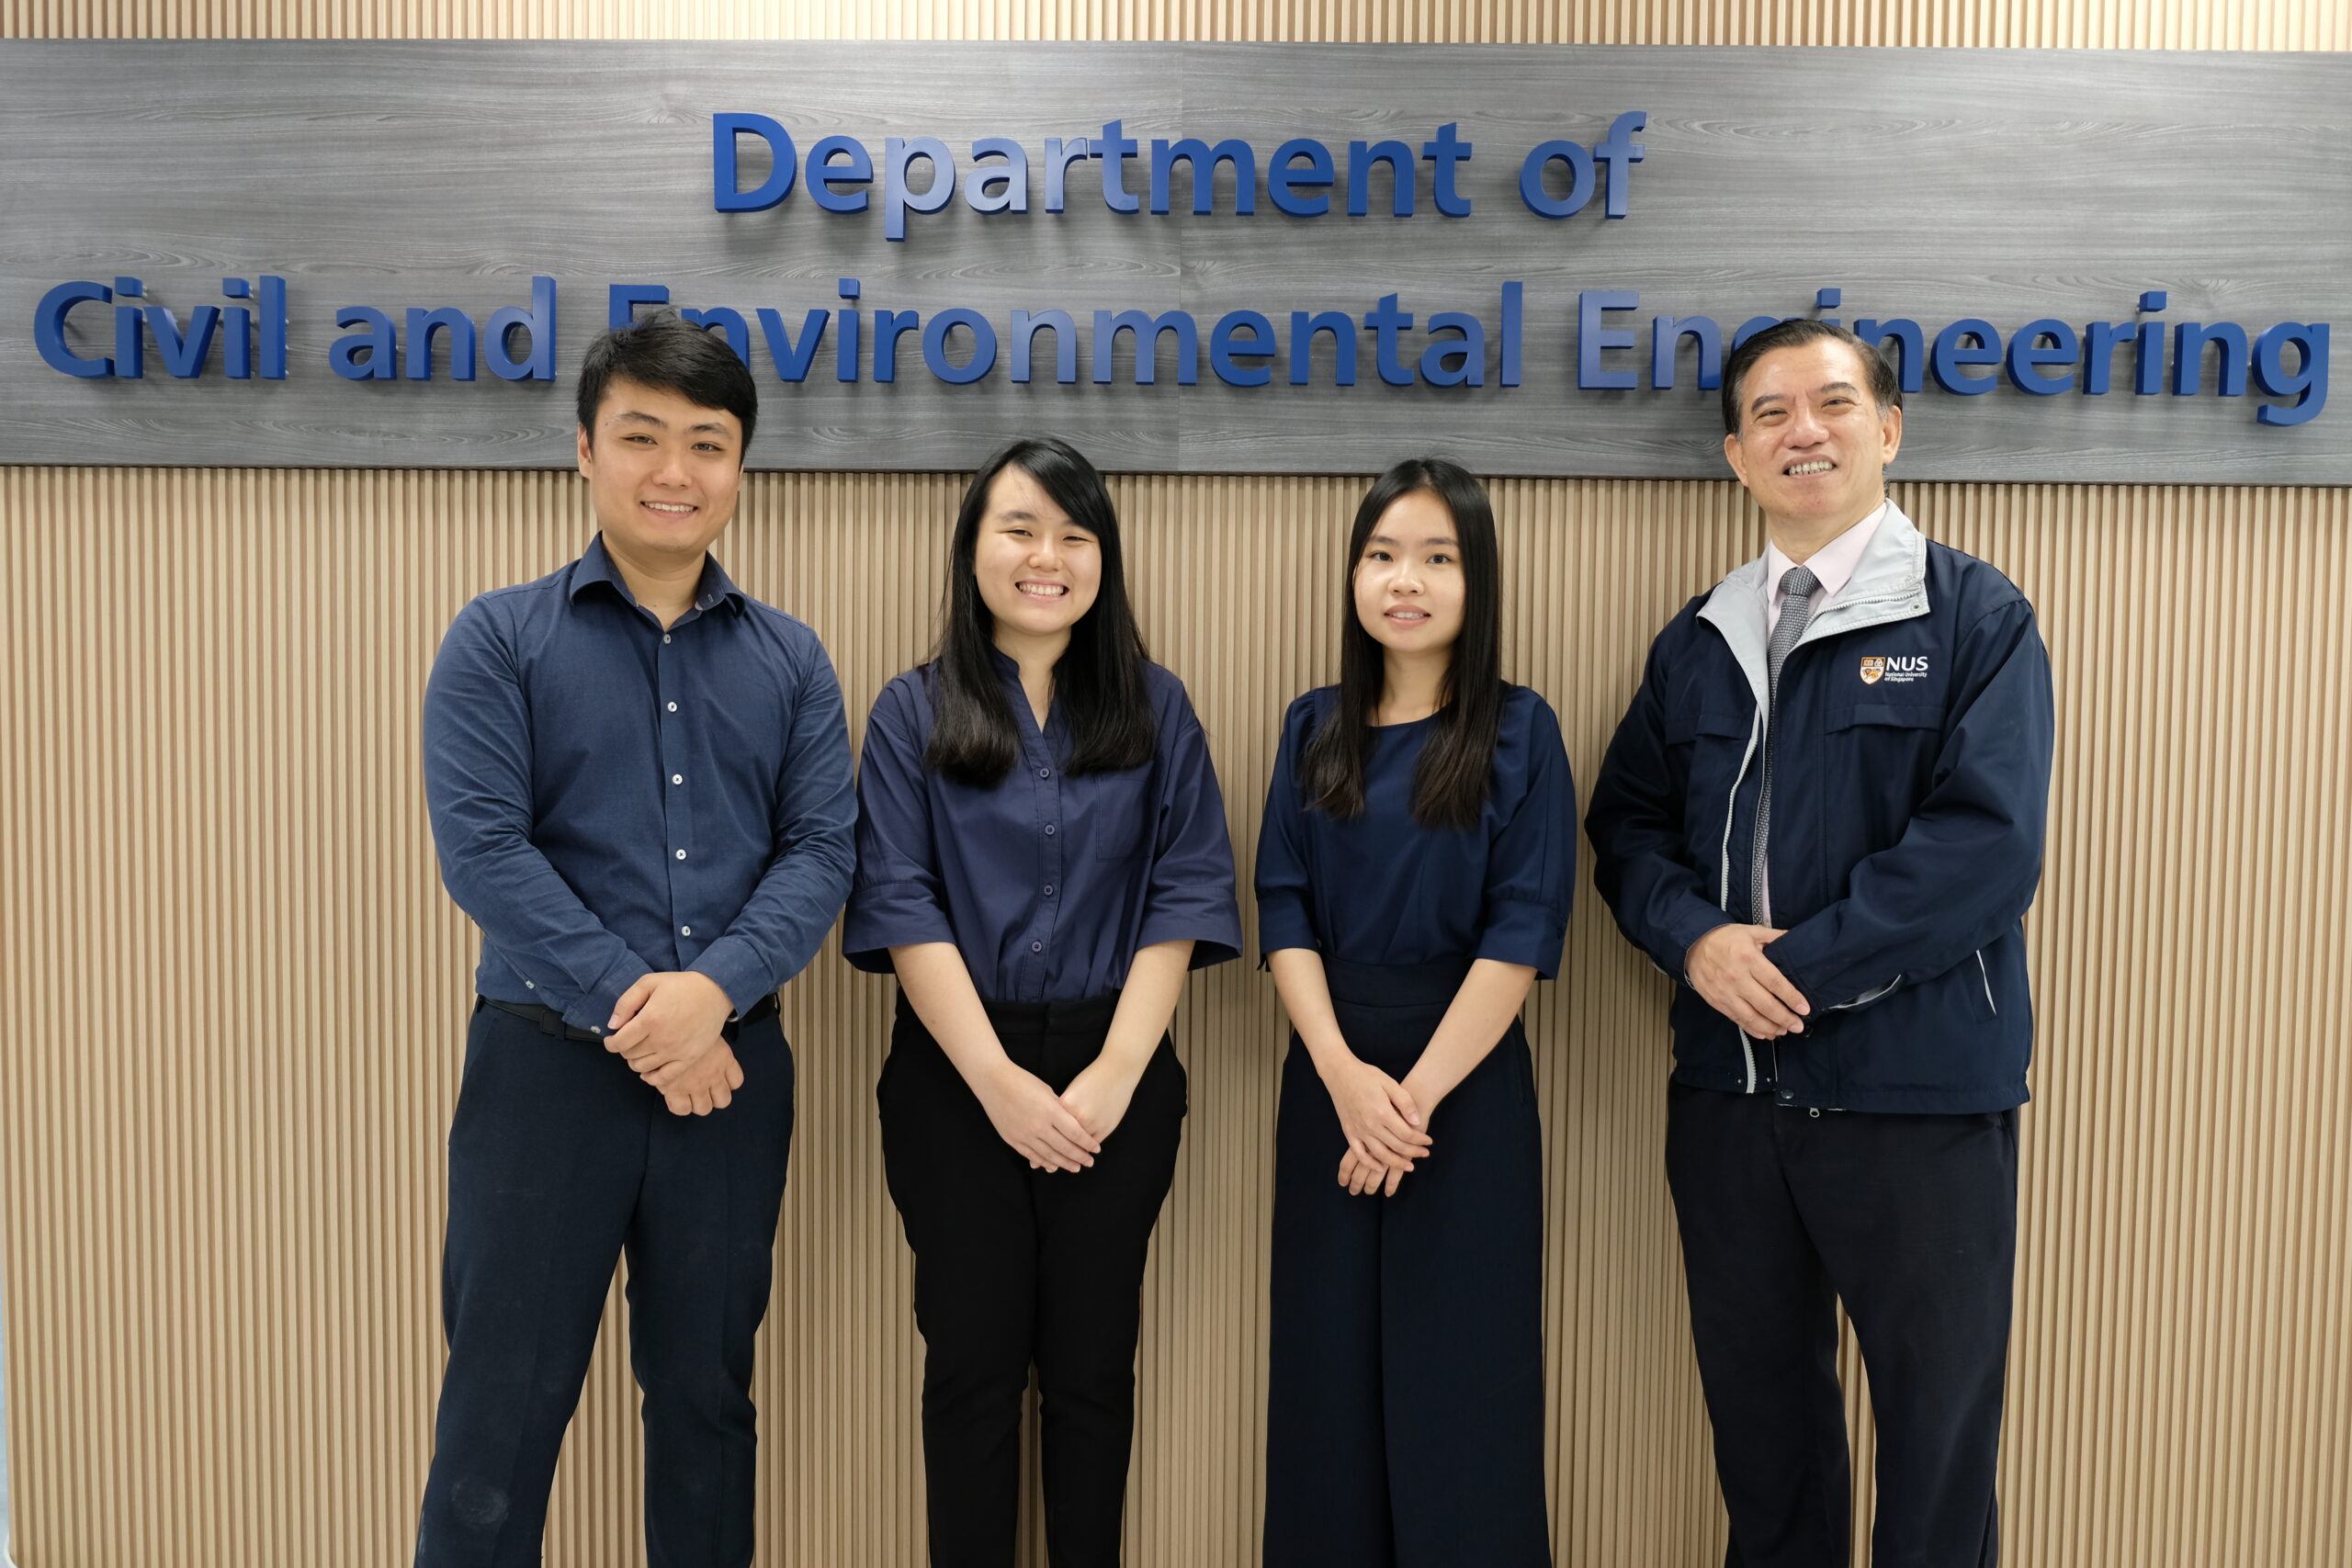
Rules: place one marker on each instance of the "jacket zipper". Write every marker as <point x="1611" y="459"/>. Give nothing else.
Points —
<point x="1723" y="896"/>
<point x="1819" y="629"/>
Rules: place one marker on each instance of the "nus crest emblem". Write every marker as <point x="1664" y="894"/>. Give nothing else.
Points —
<point x="1871" y="669"/>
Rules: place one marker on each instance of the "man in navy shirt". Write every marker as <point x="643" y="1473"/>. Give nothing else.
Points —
<point x="640" y="785"/>
<point x="1823" y="816"/>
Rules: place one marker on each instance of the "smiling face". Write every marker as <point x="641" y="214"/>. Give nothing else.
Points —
<point x="1813" y="443"/>
<point x="1409" y="588"/>
<point x="1036" y="570"/>
<point x="662" y="472"/>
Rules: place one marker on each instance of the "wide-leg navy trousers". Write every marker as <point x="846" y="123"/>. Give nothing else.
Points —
<point x="1911" y="1220"/>
<point x="1405" y="1405"/>
<point x="561" y="1159"/>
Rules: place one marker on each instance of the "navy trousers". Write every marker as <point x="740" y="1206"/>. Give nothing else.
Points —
<point x="1015" y="1267"/>
<point x="561" y="1159"/>
<point x="1912" y="1221"/>
<point x="1405" y="1400"/>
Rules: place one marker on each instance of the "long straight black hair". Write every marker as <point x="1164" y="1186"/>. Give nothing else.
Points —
<point x="1454" y="777"/>
<point x="1098" y="681"/>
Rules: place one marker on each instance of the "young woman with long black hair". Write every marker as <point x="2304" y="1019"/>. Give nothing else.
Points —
<point x="1041" y="856"/>
<point x="1413" y="879"/>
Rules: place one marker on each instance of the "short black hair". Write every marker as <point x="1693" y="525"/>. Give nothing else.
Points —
<point x="669" y="353"/>
<point x="1886" y="389"/>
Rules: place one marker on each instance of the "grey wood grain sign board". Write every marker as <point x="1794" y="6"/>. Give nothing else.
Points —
<point x="1926" y="185"/>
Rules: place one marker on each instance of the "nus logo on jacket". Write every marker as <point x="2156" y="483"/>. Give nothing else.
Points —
<point x="1895" y="670"/>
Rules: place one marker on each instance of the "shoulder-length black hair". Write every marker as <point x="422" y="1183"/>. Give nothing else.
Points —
<point x="1453" y="778"/>
<point x="1098" y="681"/>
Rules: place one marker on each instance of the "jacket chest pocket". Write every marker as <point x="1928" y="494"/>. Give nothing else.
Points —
<point x="1711" y="746"/>
<point x="1888" y="722"/>
<point x="1884" y="743"/>
<point x="1687" y="726"/>
<point x="1711" y="743"/>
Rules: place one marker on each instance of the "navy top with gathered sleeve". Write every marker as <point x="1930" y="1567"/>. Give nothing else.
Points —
<point x="1049" y="882"/>
<point x="1382" y="889"/>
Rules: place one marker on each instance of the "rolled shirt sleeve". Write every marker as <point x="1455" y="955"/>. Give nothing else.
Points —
<point x="897" y="899"/>
<point x="1190" y="896"/>
<point x="1532" y="859"/>
<point x="1285" y="917"/>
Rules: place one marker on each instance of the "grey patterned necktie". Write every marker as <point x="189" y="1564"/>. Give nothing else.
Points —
<point x="1796" y="608"/>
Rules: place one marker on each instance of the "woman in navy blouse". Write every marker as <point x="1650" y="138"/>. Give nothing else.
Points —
<point x="1041" y="856"/>
<point x="1413" y="880"/>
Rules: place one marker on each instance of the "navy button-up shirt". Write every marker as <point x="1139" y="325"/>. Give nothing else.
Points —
<point x="1048" y="883"/>
<point x="610" y="798"/>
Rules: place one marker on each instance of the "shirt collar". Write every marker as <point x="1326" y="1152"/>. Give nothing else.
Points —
<point x="595" y="565"/>
<point x="1832" y="565"/>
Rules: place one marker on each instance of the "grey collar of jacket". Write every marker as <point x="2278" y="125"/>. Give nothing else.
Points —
<point x="1890" y="583"/>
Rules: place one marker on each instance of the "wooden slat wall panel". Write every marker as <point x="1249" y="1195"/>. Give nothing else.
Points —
<point x="221" y="1242"/>
<point x="1957" y="23"/>
<point x="221" y="1245"/>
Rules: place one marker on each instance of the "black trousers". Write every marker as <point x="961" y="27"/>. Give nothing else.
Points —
<point x="1912" y="1221"/>
<point x="1404" y="1402"/>
<point x="561" y="1159"/>
<point x="1015" y="1266"/>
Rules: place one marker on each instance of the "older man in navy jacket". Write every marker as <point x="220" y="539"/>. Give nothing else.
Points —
<point x="1823" y="815"/>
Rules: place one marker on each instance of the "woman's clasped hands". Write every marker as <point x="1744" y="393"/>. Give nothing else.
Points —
<point x="1039" y="1124"/>
<point x="1384" y="1124"/>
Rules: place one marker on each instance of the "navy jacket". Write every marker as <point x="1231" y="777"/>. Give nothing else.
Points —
<point x="1910" y="784"/>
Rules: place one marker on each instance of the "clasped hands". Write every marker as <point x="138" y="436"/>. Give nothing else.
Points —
<point x="666" y="1027"/>
<point x="1056" y="1132"/>
<point x="1729" y="971"/>
<point x="1385" y="1122"/>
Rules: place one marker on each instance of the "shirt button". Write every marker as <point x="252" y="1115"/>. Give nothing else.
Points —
<point x="530" y="984"/>
<point x="673" y="707"/>
<point x="1036" y="947"/>
<point x="665" y="636"/>
<point x="686" y="931"/>
<point x="595" y="1029"/>
<point x="677" y="778"/>
<point x="681" y="854"/>
<point x="1044" y="772"/>
<point x="1049" y="830"/>
<point x="1050" y="889"/>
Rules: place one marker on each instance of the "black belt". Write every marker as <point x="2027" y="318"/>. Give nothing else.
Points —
<point x="551" y="1021"/>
